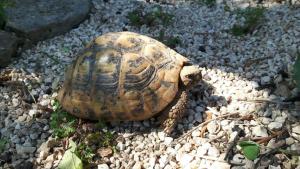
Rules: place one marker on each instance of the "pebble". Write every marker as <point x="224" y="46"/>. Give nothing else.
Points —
<point x="213" y="151"/>
<point x="161" y="136"/>
<point x="102" y="166"/>
<point x="24" y="149"/>
<point x="259" y="131"/>
<point x="212" y="127"/>
<point x="168" y="140"/>
<point x="152" y="161"/>
<point x="296" y="129"/>
<point x="238" y="158"/>
<point x="137" y="165"/>
<point x="275" y="125"/>
<point x="32" y="112"/>
<point x="15" y="102"/>
<point x="202" y="150"/>
<point x="163" y="160"/>
<point x="265" y="80"/>
<point x="185" y="160"/>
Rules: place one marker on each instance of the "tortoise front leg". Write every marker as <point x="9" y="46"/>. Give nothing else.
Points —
<point x="173" y="112"/>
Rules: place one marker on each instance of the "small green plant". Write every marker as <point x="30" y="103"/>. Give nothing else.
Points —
<point x="250" y="149"/>
<point x="207" y="2"/>
<point x="62" y="123"/>
<point x="135" y="17"/>
<point x="297" y="72"/>
<point x="107" y="138"/>
<point x="252" y="16"/>
<point x="102" y="139"/>
<point x="84" y="152"/>
<point x="3" y="142"/>
<point x="156" y="16"/>
<point x="4" y="4"/>
<point x="171" y="42"/>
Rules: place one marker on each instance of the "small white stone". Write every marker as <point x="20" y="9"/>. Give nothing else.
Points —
<point x="161" y="136"/>
<point x="168" y="167"/>
<point x="274" y="167"/>
<point x="212" y="127"/>
<point x="265" y="120"/>
<point x="185" y="160"/>
<point x="239" y="158"/>
<point x="32" y="112"/>
<point x="280" y="119"/>
<point x="137" y="165"/>
<point x="275" y="125"/>
<point x="15" y="102"/>
<point x="202" y="150"/>
<point x="168" y="140"/>
<point x="213" y="151"/>
<point x="289" y="141"/>
<point x="163" y="160"/>
<point x="259" y="131"/>
<point x="152" y="162"/>
<point x="296" y="129"/>
<point x="196" y="133"/>
<point x="17" y="127"/>
<point x="24" y="149"/>
<point x="46" y="128"/>
<point x="121" y="146"/>
<point x="103" y="166"/>
<point x="220" y="165"/>
<point x="265" y="80"/>
<point x="45" y="102"/>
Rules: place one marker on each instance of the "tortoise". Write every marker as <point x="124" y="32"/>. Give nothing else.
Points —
<point x="125" y="76"/>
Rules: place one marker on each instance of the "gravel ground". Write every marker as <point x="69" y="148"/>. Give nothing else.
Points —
<point x="242" y="75"/>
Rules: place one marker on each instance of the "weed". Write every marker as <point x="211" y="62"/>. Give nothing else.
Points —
<point x="84" y="152"/>
<point x="207" y="2"/>
<point x="3" y="142"/>
<point x="102" y="138"/>
<point x="107" y="138"/>
<point x="171" y="42"/>
<point x="135" y="17"/>
<point x="252" y="16"/>
<point x="62" y="123"/>
<point x="4" y="4"/>
<point x="156" y="16"/>
<point x="297" y="72"/>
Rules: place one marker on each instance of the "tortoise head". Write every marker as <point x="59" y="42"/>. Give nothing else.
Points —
<point x="190" y="75"/>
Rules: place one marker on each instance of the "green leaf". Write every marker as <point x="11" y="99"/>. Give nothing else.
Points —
<point x="250" y="149"/>
<point x="70" y="160"/>
<point x="2" y="144"/>
<point x="297" y="71"/>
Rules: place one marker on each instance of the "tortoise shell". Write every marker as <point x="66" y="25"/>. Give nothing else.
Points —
<point x="121" y="76"/>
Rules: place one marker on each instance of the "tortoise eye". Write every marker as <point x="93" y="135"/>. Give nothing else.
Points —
<point x="189" y="76"/>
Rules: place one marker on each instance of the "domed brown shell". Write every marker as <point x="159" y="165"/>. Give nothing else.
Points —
<point x="121" y="76"/>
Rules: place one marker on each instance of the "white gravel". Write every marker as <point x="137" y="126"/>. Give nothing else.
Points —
<point x="203" y="32"/>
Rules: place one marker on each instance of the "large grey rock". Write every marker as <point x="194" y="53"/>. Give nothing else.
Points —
<point x="40" y="19"/>
<point x="8" y="47"/>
